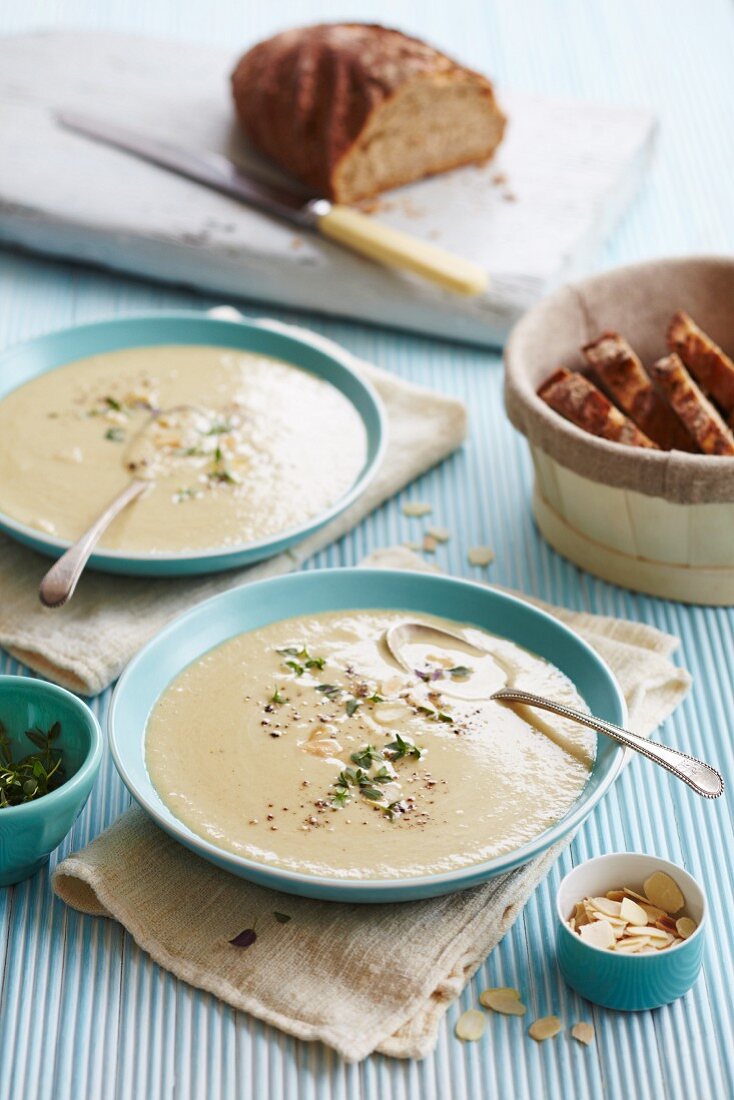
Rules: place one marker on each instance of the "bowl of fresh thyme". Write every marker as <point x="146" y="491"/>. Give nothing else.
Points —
<point x="50" y="752"/>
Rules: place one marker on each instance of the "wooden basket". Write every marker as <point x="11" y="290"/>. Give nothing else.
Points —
<point x="657" y="522"/>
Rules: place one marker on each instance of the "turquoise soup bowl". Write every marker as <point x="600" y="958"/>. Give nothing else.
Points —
<point x="30" y="832"/>
<point x="630" y="983"/>
<point x="255" y="605"/>
<point x="27" y="361"/>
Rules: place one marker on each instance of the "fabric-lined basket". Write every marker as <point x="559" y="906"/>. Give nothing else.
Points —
<point x="659" y="522"/>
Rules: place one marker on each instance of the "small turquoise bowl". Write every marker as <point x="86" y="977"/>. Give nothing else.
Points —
<point x="31" y="831"/>
<point x="630" y="983"/>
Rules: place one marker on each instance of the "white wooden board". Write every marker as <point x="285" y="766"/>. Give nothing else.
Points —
<point x="534" y="217"/>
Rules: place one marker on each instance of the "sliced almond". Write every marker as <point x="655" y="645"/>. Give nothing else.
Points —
<point x="653" y="913"/>
<point x="480" y="555"/>
<point x="598" y="934"/>
<point x="429" y="544"/>
<point x="582" y="917"/>
<point x="324" y="747"/>
<point x="630" y="947"/>
<point x="606" y="906"/>
<point x="584" y="1032"/>
<point x="637" y="897"/>
<point x="664" y="892"/>
<point x="615" y="895"/>
<point x="417" y="508"/>
<point x="544" y="1028"/>
<point x="470" y="1025"/>
<point x="507" y="1001"/>
<point x="632" y="912"/>
<point x="649" y="930"/>
<point x="666" y="923"/>
<point x="685" y="927"/>
<point x="389" y="713"/>
<point x="440" y="534"/>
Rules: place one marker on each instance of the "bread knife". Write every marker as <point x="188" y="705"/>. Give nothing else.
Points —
<point x="343" y="224"/>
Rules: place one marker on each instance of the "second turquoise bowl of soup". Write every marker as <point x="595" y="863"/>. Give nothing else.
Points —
<point x="323" y="359"/>
<point x="256" y="605"/>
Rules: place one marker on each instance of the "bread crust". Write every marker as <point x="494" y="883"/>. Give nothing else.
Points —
<point x="695" y="410"/>
<point x="709" y="365"/>
<point x="623" y="377"/>
<point x="577" y="399"/>
<point x="306" y="95"/>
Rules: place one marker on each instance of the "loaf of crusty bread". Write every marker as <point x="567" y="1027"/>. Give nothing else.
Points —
<point x="353" y="109"/>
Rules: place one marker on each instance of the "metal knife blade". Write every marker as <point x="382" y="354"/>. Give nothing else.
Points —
<point x="211" y="169"/>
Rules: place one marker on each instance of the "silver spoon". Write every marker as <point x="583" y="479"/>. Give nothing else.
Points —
<point x="59" y="583"/>
<point x="701" y="777"/>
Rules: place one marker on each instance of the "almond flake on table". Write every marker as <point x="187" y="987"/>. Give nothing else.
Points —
<point x="584" y="1032"/>
<point x="429" y="544"/>
<point x="504" y="1000"/>
<point x="440" y="534"/>
<point x="547" y="1027"/>
<point x="417" y="508"/>
<point x="470" y="1025"/>
<point x="480" y="555"/>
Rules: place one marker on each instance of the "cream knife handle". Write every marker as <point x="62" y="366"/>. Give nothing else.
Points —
<point x="396" y="249"/>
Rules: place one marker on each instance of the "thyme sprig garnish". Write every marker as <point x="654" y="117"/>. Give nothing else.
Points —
<point x="434" y="715"/>
<point x="33" y="775"/>
<point x="220" y="471"/>
<point x="300" y="660"/>
<point x="366" y="757"/>
<point x="400" y="748"/>
<point x="115" y="435"/>
<point x="460" y="672"/>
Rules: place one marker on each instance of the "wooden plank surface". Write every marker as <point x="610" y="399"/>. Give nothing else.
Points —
<point x="533" y="217"/>
<point x="83" y="1013"/>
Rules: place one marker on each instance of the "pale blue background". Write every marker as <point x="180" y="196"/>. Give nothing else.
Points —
<point x="83" y="1013"/>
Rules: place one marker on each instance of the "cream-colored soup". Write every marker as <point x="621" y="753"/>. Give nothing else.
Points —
<point x="237" y="447"/>
<point x="304" y="746"/>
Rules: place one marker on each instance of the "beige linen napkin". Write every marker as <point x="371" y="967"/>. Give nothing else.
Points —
<point x="85" y="645"/>
<point x="359" y="978"/>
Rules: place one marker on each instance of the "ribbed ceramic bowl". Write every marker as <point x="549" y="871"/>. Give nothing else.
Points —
<point x="630" y="983"/>
<point x="322" y="359"/>
<point x="675" y="537"/>
<point x="31" y="831"/>
<point x="255" y="605"/>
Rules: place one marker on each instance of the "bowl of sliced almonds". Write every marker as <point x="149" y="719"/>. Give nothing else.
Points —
<point x="623" y="385"/>
<point x="630" y="932"/>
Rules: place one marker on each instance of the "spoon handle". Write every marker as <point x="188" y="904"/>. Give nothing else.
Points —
<point x="62" y="578"/>
<point x="702" y="778"/>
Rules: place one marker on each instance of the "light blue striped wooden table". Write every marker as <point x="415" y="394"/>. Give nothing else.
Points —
<point x="83" y="1013"/>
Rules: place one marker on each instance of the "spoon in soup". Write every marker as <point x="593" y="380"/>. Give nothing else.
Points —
<point x="701" y="777"/>
<point x="145" y="459"/>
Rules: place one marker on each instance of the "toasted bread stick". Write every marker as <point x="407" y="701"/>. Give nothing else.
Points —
<point x="709" y="365"/>
<point x="623" y="377"/>
<point x="695" y="410"/>
<point x="575" y="397"/>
